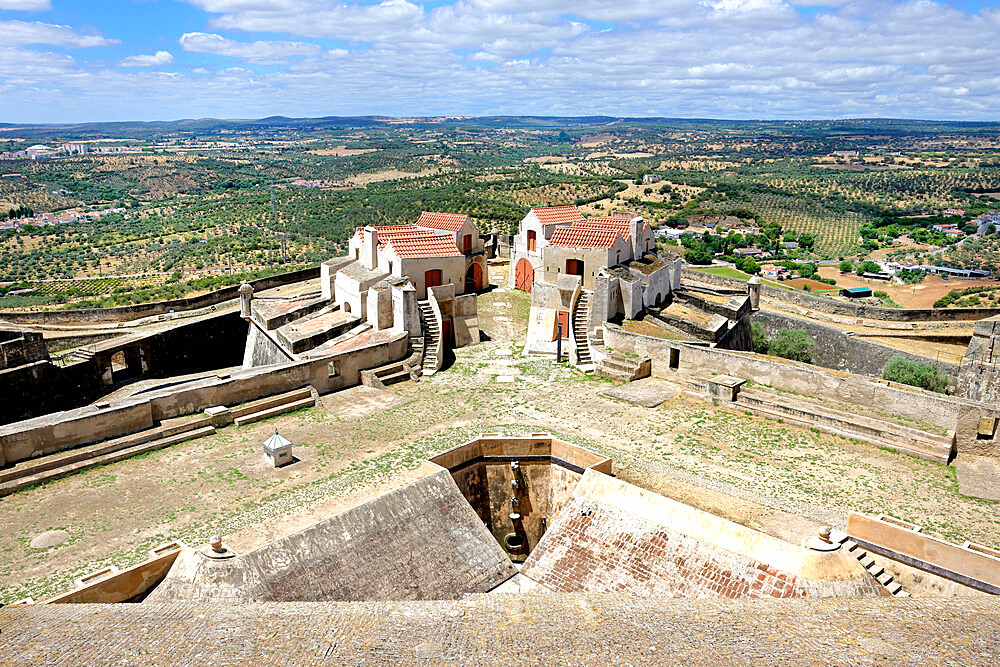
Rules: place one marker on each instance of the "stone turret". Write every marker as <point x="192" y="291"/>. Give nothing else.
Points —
<point x="370" y="251"/>
<point x="754" y="287"/>
<point x="635" y="229"/>
<point x="246" y="296"/>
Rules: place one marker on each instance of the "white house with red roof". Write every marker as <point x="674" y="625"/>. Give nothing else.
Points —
<point x="533" y="234"/>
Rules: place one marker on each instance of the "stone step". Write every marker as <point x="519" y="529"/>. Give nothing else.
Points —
<point x="393" y="378"/>
<point x="275" y="411"/>
<point x="876" y="570"/>
<point x="884" y="578"/>
<point x="866" y="561"/>
<point x="894" y="587"/>
<point x="79" y="466"/>
<point x="611" y="374"/>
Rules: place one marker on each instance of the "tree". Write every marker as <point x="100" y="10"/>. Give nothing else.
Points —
<point x="807" y="270"/>
<point x="846" y="266"/>
<point x="868" y="266"/>
<point x="794" y="344"/>
<point x="970" y="228"/>
<point x="759" y="338"/>
<point x="915" y="373"/>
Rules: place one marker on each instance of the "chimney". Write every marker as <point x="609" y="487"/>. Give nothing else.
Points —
<point x="635" y="229"/>
<point x="371" y="248"/>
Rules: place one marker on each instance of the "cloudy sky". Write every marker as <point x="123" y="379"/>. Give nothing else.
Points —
<point x="89" y="60"/>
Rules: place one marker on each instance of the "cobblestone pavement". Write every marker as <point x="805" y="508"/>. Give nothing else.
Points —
<point x="508" y="630"/>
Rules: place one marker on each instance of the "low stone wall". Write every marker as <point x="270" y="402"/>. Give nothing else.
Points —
<point x="846" y="308"/>
<point x="682" y="362"/>
<point x="969" y="564"/>
<point x="63" y="430"/>
<point x="135" y="312"/>
<point x="834" y="349"/>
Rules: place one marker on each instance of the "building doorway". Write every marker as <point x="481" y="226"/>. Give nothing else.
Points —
<point x="524" y="275"/>
<point x="574" y="267"/>
<point x="532" y="240"/>
<point x="432" y="278"/>
<point x="467" y="244"/>
<point x="474" y="279"/>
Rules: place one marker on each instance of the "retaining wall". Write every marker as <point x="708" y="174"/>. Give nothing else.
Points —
<point x="925" y="407"/>
<point x="834" y="349"/>
<point x="63" y="430"/>
<point x="846" y="308"/>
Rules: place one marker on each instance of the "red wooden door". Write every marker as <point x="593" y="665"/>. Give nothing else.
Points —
<point x="446" y="333"/>
<point x="524" y="275"/>
<point x="474" y="279"/>
<point x="432" y="278"/>
<point x="574" y="267"/>
<point x="532" y="241"/>
<point x="563" y="321"/>
<point x="467" y="244"/>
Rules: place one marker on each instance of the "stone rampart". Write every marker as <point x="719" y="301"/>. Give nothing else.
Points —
<point x="194" y="347"/>
<point x="846" y="308"/>
<point x="681" y="362"/>
<point x="835" y="349"/>
<point x="21" y="347"/>
<point x="137" y="311"/>
<point x="420" y="542"/>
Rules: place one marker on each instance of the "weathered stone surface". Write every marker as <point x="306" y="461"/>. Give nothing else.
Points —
<point x="978" y="476"/>
<point x="647" y="393"/>
<point x="543" y="629"/>
<point x="422" y="541"/>
<point x="615" y="537"/>
<point x="50" y="538"/>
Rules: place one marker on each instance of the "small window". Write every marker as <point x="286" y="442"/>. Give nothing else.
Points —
<point x="347" y="307"/>
<point x="331" y="369"/>
<point x="675" y="358"/>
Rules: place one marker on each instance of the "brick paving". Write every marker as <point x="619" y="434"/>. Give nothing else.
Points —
<point x="488" y="630"/>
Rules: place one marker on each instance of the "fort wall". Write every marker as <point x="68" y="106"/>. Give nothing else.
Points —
<point x="834" y="349"/>
<point x="63" y="430"/>
<point x="845" y="308"/>
<point x="137" y="311"/>
<point x="420" y="542"/>
<point x="682" y="363"/>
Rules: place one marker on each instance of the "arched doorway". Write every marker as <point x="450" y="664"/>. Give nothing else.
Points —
<point x="474" y="278"/>
<point x="524" y="275"/>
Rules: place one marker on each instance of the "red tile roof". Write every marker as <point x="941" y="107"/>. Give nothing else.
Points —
<point x="411" y="241"/>
<point x="558" y="215"/>
<point x="431" y="245"/>
<point x="583" y="236"/>
<point x="622" y="225"/>
<point x="449" y="222"/>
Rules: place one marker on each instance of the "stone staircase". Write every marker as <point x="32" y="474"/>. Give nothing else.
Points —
<point x="802" y="411"/>
<point x="401" y="371"/>
<point x="617" y="366"/>
<point x="79" y="354"/>
<point x="432" y="334"/>
<point x="867" y="562"/>
<point x="581" y="315"/>
<point x="312" y="330"/>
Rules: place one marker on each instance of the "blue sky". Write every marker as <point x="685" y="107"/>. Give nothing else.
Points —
<point x="73" y="60"/>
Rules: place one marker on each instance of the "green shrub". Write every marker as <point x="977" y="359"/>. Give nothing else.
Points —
<point x="915" y="373"/>
<point x="758" y="334"/>
<point x="794" y="344"/>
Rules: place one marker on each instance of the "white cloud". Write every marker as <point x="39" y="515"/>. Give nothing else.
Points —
<point x="261" y="53"/>
<point x="157" y="59"/>
<point x="722" y="58"/>
<point x="35" y="32"/>
<point x="26" y="5"/>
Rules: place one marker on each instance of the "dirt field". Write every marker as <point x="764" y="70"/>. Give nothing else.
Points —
<point x="360" y="442"/>
<point x="342" y="151"/>
<point x="921" y="295"/>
